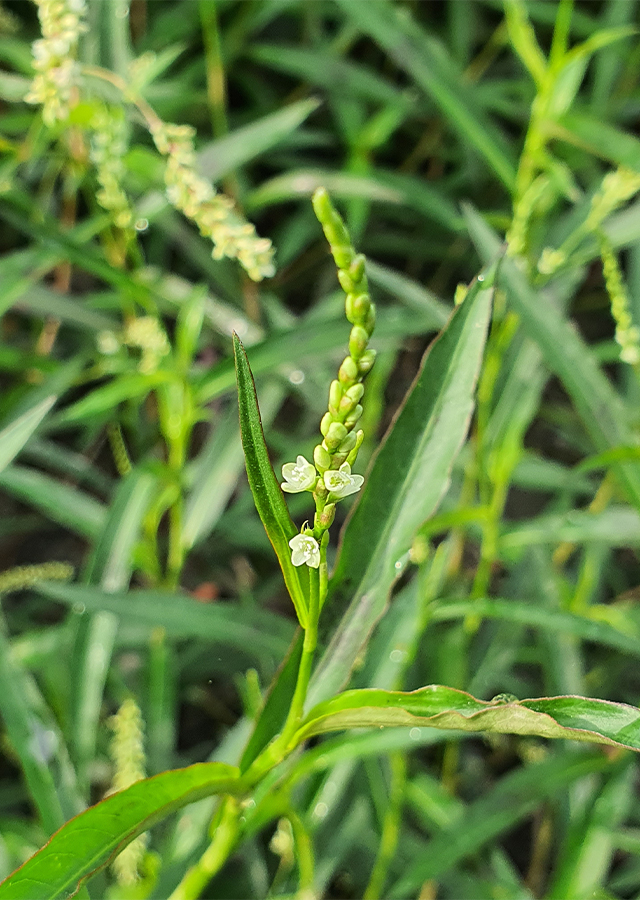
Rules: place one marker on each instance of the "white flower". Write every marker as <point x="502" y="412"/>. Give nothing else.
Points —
<point x="305" y="550"/>
<point x="342" y="483"/>
<point x="298" y="476"/>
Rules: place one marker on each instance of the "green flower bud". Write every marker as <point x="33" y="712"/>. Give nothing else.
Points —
<point x="370" y="318"/>
<point x="335" y="396"/>
<point x="348" y="443"/>
<point x="358" y="340"/>
<point x="356" y="269"/>
<point x="366" y="361"/>
<point x="325" y="423"/>
<point x="353" y="417"/>
<point x="351" y="458"/>
<point x="355" y="393"/>
<point x="337" y="433"/>
<point x="322" y="458"/>
<point x="348" y="371"/>
<point x="326" y="517"/>
<point x="346" y="282"/>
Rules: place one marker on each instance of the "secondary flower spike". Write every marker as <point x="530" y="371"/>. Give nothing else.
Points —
<point x="341" y="483"/>
<point x="298" y="476"/>
<point x="305" y="549"/>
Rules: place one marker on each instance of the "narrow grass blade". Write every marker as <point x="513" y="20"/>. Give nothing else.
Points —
<point x="602" y="410"/>
<point x="514" y="798"/>
<point x="224" y="624"/>
<point x="572" y="718"/>
<point x="407" y="480"/>
<point x="435" y="72"/>
<point x="89" y="842"/>
<point x="267" y="495"/>
<point x="15" y="435"/>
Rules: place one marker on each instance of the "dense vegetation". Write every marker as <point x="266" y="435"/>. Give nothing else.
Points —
<point x="144" y="613"/>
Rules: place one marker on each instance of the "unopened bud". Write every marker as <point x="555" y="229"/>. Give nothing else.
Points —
<point x="353" y="417"/>
<point x="335" y="396"/>
<point x="370" y="318"/>
<point x="348" y="443"/>
<point x="346" y="282"/>
<point x="326" y="517"/>
<point x="322" y="458"/>
<point x="351" y="458"/>
<point x="358" y="340"/>
<point x="348" y="371"/>
<point x="356" y="269"/>
<point x="366" y="361"/>
<point x="355" y="393"/>
<point x="336" y="434"/>
<point x="326" y="423"/>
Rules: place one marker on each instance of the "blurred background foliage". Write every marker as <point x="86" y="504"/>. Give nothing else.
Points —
<point x="438" y="128"/>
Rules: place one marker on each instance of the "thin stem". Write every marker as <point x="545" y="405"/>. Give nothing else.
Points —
<point x="390" y="828"/>
<point x="225" y="835"/>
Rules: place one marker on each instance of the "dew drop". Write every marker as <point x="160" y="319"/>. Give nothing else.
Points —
<point x="414" y="734"/>
<point x="296" y="377"/>
<point x="79" y="608"/>
<point x="141" y="224"/>
<point x="320" y="810"/>
<point x="480" y="277"/>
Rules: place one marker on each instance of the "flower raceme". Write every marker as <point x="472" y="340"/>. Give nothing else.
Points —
<point x="299" y="476"/>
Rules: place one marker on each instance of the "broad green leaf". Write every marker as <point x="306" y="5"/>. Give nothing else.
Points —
<point x="15" y="435"/>
<point x="435" y="72"/>
<point x="602" y="410"/>
<point x="406" y="482"/>
<point x="224" y="624"/>
<point x="266" y="491"/>
<point x="92" y="839"/>
<point x="572" y="718"/>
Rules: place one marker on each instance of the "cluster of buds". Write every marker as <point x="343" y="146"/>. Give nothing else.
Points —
<point x="329" y="478"/>
<point x="213" y="213"/>
<point x="61" y="23"/>
<point x="143" y="333"/>
<point x="109" y="142"/>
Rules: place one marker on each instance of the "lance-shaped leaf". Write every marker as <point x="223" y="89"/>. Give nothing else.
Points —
<point x="406" y="482"/>
<point x="574" y="718"/>
<point x="267" y="495"/>
<point x="92" y="839"/>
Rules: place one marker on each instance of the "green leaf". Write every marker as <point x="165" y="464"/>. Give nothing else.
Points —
<point x="434" y="71"/>
<point x="274" y="712"/>
<point x="408" y="479"/>
<point x="603" y="412"/>
<point x="92" y="839"/>
<point x="224" y="624"/>
<point x="244" y="144"/>
<point x="267" y="495"/>
<point x="14" y="436"/>
<point x="573" y="718"/>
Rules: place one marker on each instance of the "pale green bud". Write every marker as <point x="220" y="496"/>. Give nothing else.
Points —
<point x="348" y="371"/>
<point x="355" y="393"/>
<point x="326" y="517"/>
<point x="325" y="423"/>
<point x="346" y="282"/>
<point x="353" y="417"/>
<point x="322" y="458"/>
<point x="370" y="319"/>
<point x="335" y="396"/>
<point x="356" y="269"/>
<point x="351" y="458"/>
<point x="336" y="433"/>
<point x="357" y="308"/>
<point x="366" y="361"/>
<point x="358" y="340"/>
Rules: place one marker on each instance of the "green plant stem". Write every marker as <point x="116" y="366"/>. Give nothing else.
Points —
<point x="390" y="828"/>
<point x="225" y="835"/>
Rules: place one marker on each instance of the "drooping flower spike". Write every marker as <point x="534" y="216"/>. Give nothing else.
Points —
<point x="299" y="476"/>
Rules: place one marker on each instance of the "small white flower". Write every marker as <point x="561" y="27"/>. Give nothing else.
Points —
<point x="305" y="550"/>
<point x="298" y="476"/>
<point x="342" y="483"/>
